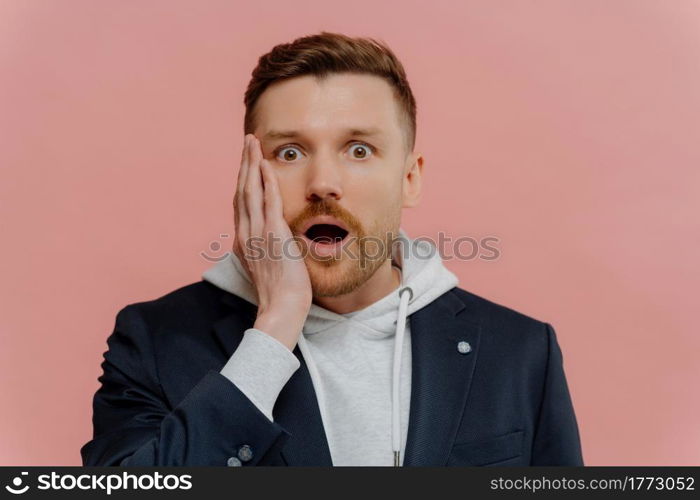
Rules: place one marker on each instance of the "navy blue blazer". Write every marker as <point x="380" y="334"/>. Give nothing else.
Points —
<point x="162" y="400"/>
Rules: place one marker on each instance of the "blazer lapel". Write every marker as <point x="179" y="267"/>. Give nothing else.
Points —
<point x="297" y="411"/>
<point x="441" y="377"/>
<point x="296" y="408"/>
<point x="229" y="330"/>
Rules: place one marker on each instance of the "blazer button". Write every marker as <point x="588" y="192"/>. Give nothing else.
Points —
<point x="245" y="453"/>
<point x="464" y="347"/>
<point x="233" y="462"/>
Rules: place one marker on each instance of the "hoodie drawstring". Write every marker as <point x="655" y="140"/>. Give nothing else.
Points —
<point x="405" y="295"/>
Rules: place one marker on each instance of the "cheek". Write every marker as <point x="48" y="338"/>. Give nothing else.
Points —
<point x="371" y="182"/>
<point x="293" y="200"/>
<point x="291" y="185"/>
<point x="377" y="201"/>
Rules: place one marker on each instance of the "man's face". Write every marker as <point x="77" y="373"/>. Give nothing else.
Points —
<point x="341" y="184"/>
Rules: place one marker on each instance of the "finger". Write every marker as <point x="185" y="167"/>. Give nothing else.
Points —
<point x="245" y="160"/>
<point x="243" y="170"/>
<point x="273" y="197"/>
<point x="253" y="189"/>
<point x="274" y="213"/>
<point x="240" y="210"/>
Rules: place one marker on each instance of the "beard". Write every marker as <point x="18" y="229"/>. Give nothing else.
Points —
<point x="360" y="255"/>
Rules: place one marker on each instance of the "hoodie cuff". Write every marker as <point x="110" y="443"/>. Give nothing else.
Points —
<point x="260" y="367"/>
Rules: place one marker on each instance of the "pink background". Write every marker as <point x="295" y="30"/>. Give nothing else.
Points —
<point x="568" y="129"/>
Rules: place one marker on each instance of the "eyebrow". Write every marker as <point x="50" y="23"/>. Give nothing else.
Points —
<point x="353" y="132"/>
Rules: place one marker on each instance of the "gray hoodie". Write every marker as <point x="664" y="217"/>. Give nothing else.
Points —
<point x="359" y="362"/>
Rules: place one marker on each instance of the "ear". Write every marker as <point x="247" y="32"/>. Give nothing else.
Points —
<point x="412" y="180"/>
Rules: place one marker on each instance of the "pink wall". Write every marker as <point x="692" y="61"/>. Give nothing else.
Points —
<point x="568" y="129"/>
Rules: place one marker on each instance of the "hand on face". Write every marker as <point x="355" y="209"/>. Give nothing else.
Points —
<point x="264" y="244"/>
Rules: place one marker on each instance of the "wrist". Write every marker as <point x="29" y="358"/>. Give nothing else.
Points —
<point x="290" y="307"/>
<point x="283" y="325"/>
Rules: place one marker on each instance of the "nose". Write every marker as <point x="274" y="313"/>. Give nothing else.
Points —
<point x="324" y="179"/>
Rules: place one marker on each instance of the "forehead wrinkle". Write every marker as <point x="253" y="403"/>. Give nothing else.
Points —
<point x="352" y="132"/>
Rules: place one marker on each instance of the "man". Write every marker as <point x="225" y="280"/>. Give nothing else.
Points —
<point x="328" y="337"/>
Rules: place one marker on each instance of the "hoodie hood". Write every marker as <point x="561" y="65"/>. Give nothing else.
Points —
<point x="423" y="279"/>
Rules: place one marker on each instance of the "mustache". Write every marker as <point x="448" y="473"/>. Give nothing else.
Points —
<point x="326" y="207"/>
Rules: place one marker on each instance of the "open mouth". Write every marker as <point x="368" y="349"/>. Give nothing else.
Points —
<point x="327" y="234"/>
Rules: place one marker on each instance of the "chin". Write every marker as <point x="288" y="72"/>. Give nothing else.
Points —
<point x="330" y="278"/>
<point x="337" y="277"/>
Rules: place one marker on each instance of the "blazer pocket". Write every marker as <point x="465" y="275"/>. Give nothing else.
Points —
<point x="491" y="451"/>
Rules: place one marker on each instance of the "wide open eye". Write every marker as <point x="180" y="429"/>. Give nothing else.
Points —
<point x="288" y="154"/>
<point x="362" y="149"/>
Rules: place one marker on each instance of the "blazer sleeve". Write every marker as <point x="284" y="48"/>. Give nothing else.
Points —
<point x="134" y="425"/>
<point x="556" y="437"/>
